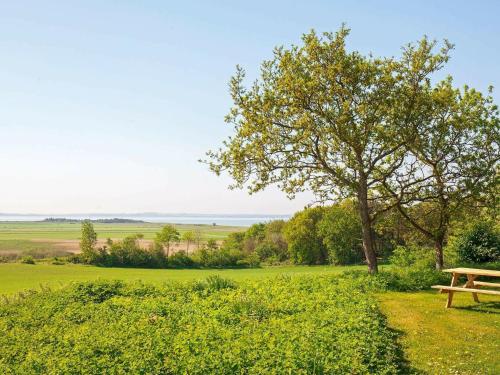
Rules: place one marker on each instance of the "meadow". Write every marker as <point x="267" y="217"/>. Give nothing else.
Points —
<point x="16" y="277"/>
<point x="421" y="336"/>
<point x="54" y="239"/>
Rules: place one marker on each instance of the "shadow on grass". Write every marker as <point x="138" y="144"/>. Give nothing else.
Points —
<point x="491" y="307"/>
<point x="404" y="364"/>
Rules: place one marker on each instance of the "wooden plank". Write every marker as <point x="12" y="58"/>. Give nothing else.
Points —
<point x="474" y="271"/>
<point x="470" y="290"/>
<point x="454" y="281"/>
<point x="470" y="284"/>
<point x="484" y="283"/>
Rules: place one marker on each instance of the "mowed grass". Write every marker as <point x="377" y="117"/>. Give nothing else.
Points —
<point x="16" y="277"/>
<point x="464" y="339"/>
<point x="72" y="231"/>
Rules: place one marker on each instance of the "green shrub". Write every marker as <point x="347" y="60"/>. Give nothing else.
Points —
<point x="27" y="260"/>
<point x="286" y="325"/>
<point x="97" y="291"/>
<point x="180" y="260"/>
<point x="478" y="244"/>
<point x="340" y="229"/>
<point x="413" y="269"/>
<point x="407" y="279"/>
<point x="305" y="244"/>
<point x="399" y="279"/>
<point x="413" y="256"/>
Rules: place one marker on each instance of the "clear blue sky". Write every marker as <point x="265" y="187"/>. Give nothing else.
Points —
<point x="106" y="106"/>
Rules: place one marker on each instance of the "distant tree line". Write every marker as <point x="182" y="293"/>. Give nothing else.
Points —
<point x="317" y="235"/>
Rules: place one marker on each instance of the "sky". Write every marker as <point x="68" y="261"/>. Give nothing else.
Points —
<point x="106" y="106"/>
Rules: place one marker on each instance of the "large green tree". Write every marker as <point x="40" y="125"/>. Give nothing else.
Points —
<point x="325" y="119"/>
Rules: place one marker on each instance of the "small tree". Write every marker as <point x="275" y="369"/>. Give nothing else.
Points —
<point x="188" y="237"/>
<point x="167" y="237"/>
<point x="88" y="242"/>
<point x="198" y="237"/>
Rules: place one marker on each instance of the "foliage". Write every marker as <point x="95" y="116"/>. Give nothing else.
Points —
<point x="289" y="325"/>
<point x="253" y="236"/>
<point x="453" y="146"/>
<point x="340" y="229"/>
<point x="180" y="259"/>
<point x="412" y="256"/>
<point x="219" y="258"/>
<point x="167" y="236"/>
<point x="88" y="242"/>
<point x="479" y="243"/>
<point x="234" y="241"/>
<point x="188" y="237"/>
<point x="326" y="119"/>
<point x="305" y="245"/>
<point x="413" y="269"/>
<point x="28" y="260"/>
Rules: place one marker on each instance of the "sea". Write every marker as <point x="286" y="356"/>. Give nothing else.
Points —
<point x="238" y="220"/>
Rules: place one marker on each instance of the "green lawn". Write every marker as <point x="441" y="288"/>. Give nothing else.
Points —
<point x="15" y="277"/>
<point x="464" y="339"/>
<point x="69" y="231"/>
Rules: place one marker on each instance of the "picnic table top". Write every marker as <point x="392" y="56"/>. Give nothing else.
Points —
<point x="474" y="271"/>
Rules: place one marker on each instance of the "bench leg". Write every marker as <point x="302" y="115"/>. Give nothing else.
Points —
<point x="470" y="284"/>
<point x="454" y="281"/>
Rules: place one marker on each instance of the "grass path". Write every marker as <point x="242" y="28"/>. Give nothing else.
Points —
<point x="462" y="340"/>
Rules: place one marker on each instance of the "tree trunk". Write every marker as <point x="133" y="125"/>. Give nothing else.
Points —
<point x="438" y="248"/>
<point x="366" y="225"/>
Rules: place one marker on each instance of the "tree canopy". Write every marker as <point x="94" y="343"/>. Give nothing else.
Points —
<point x="328" y="120"/>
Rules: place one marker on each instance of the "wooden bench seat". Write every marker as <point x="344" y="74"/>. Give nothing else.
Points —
<point x="484" y="283"/>
<point x="471" y="290"/>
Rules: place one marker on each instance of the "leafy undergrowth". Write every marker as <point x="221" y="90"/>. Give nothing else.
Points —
<point x="462" y="340"/>
<point x="296" y="325"/>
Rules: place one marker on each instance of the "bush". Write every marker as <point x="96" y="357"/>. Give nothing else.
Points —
<point x="180" y="260"/>
<point x="301" y="325"/>
<point x="305" y="244"/>
<point x="413" y="256"/>
<point x="340" y="229"/>
<point x="27" y="260"/>
<point x="478" y="244"/>
<point x="413" y="269"/>
<point x="224" y="257"/>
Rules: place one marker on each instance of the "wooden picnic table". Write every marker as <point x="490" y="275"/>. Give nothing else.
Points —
<point x="471" y="286"/>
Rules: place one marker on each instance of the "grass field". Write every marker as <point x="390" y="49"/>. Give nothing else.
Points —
<point x="15" y="277"/>
<point x="54" y="239"/>
<point x="461" y="340"/>
<point x="69" y="231"/>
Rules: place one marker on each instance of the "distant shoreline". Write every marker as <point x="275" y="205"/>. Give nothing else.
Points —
<point x="244" y="220"/>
